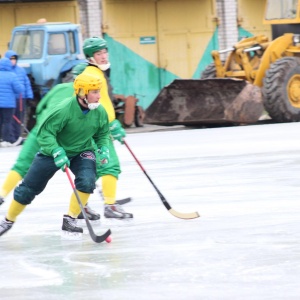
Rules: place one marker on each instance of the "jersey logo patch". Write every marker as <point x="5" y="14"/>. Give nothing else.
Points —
<point x="88" y="155"/>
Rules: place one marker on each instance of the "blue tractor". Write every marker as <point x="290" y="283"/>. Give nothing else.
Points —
<point x="47" y="51"/>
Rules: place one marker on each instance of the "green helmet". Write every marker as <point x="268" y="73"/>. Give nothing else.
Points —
<point x="92" y="45"/>
<point x="78" y="69"/>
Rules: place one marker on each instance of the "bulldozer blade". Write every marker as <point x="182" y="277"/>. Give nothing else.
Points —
<point x="206" y="101"/>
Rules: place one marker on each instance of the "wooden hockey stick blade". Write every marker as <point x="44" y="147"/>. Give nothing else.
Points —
<point x="185" y="216"/>
<point x="175" y="213"/>
<point x="95" y="238"/>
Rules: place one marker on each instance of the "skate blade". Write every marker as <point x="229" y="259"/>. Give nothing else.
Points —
<point x="66" y="235"/>
<point x="124" y="216"/>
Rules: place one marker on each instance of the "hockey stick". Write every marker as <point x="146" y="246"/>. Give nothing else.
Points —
<point x="95" y="238"/>
<point x="121" y="201"/>
<point x="18" y="121"/>
<point x="175" y="213"/>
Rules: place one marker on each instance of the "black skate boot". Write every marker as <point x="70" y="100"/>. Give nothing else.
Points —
<point x="5" y="225"/>
<point x="1" y="200"/>
<point x="70" y="228"/>
<point x="116" y="211"/>
<point x="91" y="214"/>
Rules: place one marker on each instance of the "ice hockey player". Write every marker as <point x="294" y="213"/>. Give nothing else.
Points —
<point x="66" y="138"/>
<point x="31" y="146"/>
<point x="96" y="52"/>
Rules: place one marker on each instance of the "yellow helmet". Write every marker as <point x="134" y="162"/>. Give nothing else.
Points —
<point x="84" y="83"/>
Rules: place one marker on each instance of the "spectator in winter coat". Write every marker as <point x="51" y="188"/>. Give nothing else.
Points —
<point x="20" y="98"/>
<point x="9" y="87"/>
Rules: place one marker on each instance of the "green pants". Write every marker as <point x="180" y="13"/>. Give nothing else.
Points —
<point x="113" y="166"/>
<point x="27" y="154"/>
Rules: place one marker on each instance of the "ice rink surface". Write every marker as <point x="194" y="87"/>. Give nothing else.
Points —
<point x="244" y="182"/>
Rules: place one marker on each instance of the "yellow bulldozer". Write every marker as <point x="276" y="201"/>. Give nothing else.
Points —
<point x="257" y="76"/>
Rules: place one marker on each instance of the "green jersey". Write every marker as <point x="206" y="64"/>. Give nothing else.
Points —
<point x="69" y="127"/>
<point x="53" y="98"/>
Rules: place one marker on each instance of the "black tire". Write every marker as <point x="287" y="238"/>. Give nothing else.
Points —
<point x="281" y="94"/>
<point x="209" y="72"/>
<point x="67" y="77"/>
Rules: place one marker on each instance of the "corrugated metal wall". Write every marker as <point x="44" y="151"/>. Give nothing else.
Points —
<point x="15" y="14"/>
<point x="150" y="42"/>
<point x="177" y="31"/>
<point x="251" y="15"/>
<point x="154" y="42"/>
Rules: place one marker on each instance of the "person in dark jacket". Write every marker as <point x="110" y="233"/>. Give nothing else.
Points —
<point x="9" y="87"/>
<point x="20" y="98"/>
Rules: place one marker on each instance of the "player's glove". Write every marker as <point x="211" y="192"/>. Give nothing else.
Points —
<point x="60" y="158"/>
<point x="103" y="155"/>
<point x="117" y="131"/>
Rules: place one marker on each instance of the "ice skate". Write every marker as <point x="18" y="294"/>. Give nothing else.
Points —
<point x="70" y="230"/>
<point x="115" y="211"/>
<point x="5" y="144"/>
<point x="18" y="142"/>
<point x="91" y="214"/>
<point x="5" y="225"/>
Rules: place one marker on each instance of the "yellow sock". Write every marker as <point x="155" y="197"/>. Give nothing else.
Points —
<point x="109" y="189"/>
<point x="14" y="210"/>
<point x="74" y="208"/>
<point x="11" y="181"/>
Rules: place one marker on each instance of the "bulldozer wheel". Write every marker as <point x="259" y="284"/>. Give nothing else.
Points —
<point x="209" y="72"/>
<point x="281" y="92"/>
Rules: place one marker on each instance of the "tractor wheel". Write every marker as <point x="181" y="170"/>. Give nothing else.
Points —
<point x="67" y="77"/>
<point x="281" y="90"/>
<point x="209" y="72"/>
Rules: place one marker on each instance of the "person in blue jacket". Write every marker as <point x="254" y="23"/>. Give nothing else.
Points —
<point x="20" y="98"/>
<point x="9" y="87"/>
